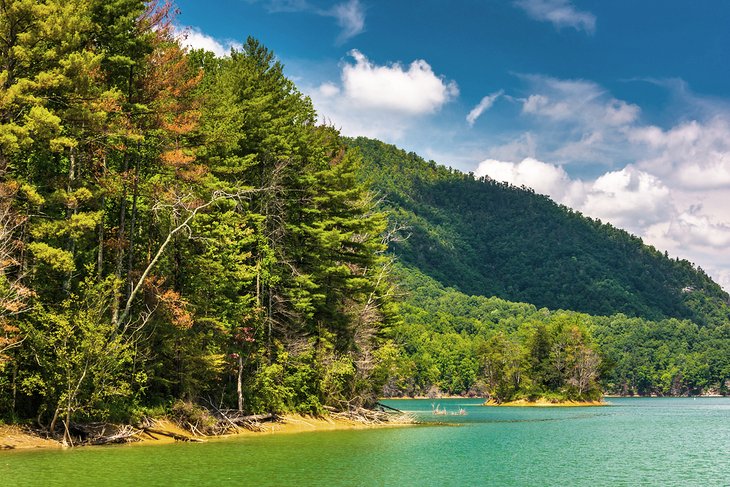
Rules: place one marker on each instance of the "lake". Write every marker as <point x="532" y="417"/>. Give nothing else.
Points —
<point x="631" y="442"/>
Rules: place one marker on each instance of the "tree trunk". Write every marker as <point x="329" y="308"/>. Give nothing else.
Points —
<point x="69" y="213"/>
<point x="52" y="427"/>
<point x="132" y="225"/>
<point x="100" y="252"/>
<point x="239" y="383"/>
<point x="120" y="239"/>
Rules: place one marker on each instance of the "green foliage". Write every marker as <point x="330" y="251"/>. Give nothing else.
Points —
<point x="191" y="232"/>
<point x="525" y="352"/>
<point x="56" y="259"/>
<point x="84" y="361"/>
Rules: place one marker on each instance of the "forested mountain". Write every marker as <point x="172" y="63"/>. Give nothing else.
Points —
<point x="505" y="293"/>
<point x="488" y="238"/>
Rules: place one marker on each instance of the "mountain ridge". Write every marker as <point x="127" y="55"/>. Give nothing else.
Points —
<point x="484" y="237"/>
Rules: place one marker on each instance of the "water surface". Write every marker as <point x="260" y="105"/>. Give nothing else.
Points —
<point x="632" y="442"/>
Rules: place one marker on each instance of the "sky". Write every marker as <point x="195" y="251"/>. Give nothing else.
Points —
<point x="619" y="109"/>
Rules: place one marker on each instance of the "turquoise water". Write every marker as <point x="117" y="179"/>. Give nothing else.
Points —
<point x="632" y="442"/>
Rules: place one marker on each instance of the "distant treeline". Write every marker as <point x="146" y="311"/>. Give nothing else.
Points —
<point x="452" y="343"/>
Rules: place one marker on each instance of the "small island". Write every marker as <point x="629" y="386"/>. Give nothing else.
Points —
<point x="544" y="366"/>
<point x="546" y="403"/>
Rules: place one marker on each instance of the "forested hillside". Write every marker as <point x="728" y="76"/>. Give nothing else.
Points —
<point x="453" y="343"/>
<point x="488" y="238"/>
<point x="174" y="226"/>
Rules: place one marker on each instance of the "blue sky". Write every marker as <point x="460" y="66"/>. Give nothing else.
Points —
<point x="620" y="109"/>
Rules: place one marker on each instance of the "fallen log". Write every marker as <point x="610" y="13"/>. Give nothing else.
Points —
<point x="126" y="435"/>
<point x="97" y="433"/>
<point x="253" y="418"/>
<point x="170" y="434"/>
<point x="380" y="404"/>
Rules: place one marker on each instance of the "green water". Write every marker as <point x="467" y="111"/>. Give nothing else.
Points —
<point x="632" y="442"/>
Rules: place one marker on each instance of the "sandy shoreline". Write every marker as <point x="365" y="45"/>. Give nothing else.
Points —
<point x="543" y="403"/>
<point x="14" y="437"/>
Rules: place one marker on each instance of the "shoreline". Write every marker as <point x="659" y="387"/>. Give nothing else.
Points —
<point x="544" y="403"/>
<point x="517" y="403"/>
<point x="15" y="437"/>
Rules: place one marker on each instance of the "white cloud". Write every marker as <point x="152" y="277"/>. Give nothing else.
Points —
<point x="577" y="121"/>
<point x="578" y="102"/>
<point x="695" y="155"/>
<point x="382" y="101"/>
<point x="350" y="17"/>
<point x="484" y="105"/>
<point x="582" y="149"/>
<point x="518" y="148"/>
<point x="722" y="276"/>
<point x="414" y="91"/>
<point x="561" y="13"/>
<point x="637" y="201"/>
<point x="544" y="178"/>
<point x="628" y="198"/>
<point x="194" y="38"/>
<point x="329" y="90"/>
<point x="693" y="227"/>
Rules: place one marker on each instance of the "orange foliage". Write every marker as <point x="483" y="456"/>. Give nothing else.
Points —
<point x="176" y="158"/>
<point x="176" y="307"/>
<point x="171" y="83"/>
<point x="171" y="302"/>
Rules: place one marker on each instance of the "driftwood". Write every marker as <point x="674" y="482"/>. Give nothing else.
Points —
<point x="170" y="434"/>
<point x="383" y="407"/>
<point x="96" y="433"/>
<point x="125" y="435"/>
<point x="365" y="416"/>
<point x="231" y="419"/>
<point x="253" y="418"/>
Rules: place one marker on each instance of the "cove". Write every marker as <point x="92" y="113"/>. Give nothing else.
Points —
<point x="631" y="442"/>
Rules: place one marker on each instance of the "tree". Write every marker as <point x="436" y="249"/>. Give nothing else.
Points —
<point x="83" y="358"/>
<point x="14" y="295"/>
<point x="501" y="359"/>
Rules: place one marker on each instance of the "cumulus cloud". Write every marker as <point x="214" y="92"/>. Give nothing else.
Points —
<point x="329" y="90"/>
<point x="695" y="155"/>
<point x="628" y="198"/>
<point x="544" y="178"/>
<point x="693" y="227"/>
<point x="484" y="105"/>
<point x="194" y="38"/>
<point x="561" y="13"/>
<point x="672" y="182"/>
<point x="382" y="101"/>
<point x="722" y="276"/>
<point x="415" y="90"/>
<point x="637" y="201"/>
